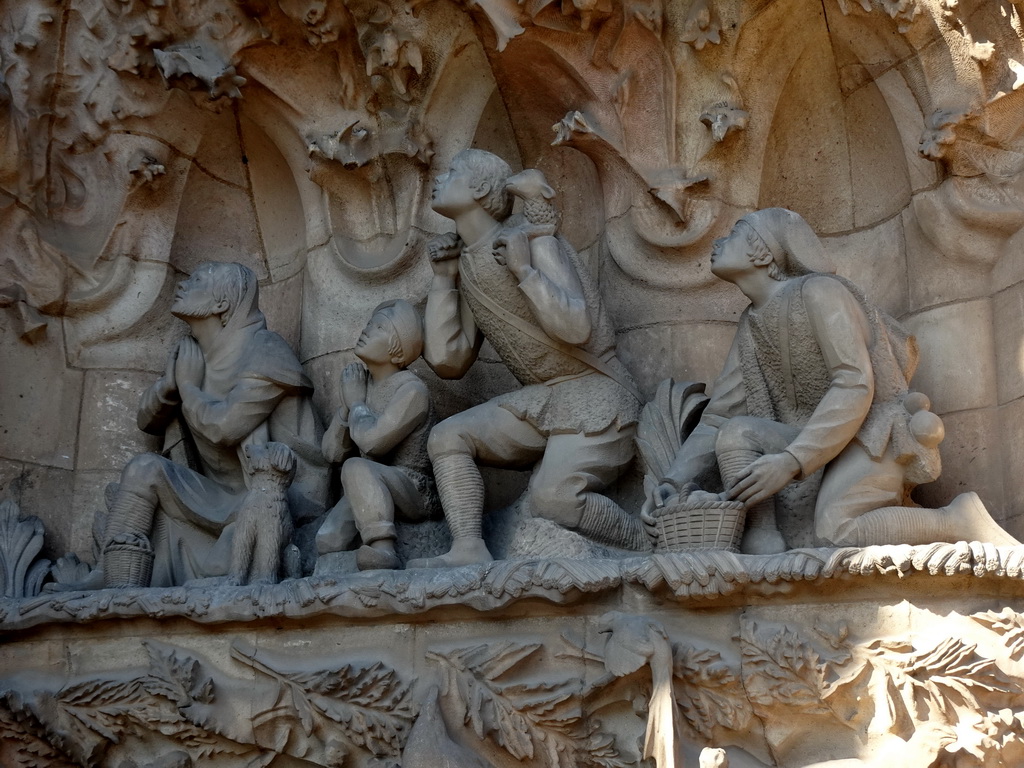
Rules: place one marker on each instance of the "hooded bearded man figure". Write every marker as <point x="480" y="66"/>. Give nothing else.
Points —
<point x="817" y="379"/>
<point x="230" y="383"/>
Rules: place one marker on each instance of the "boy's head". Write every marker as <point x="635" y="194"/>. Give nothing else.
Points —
<point x="775" y="239"/>
<point x="393" y="334"/>
<point x="475" y="178"/>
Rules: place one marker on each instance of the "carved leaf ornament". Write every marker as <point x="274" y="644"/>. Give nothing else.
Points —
<point x="531" y="720"/>
<point x="21" y="539"/>
<point x="1007" y="623"/>
<point x="364" y="706"/>
<point x="368" y="703"/>
<point x="708" y="691"/>
<point x="946" y="696"/>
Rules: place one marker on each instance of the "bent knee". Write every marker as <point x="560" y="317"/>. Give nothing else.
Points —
<point x="143" y="471"/>
<point x="358" y="470"/>
<point x="741" y="433"/>
<point x="448" y="437"/>
<point x="560" y="504"/>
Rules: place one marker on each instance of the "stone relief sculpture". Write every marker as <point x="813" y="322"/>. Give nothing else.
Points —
<point x="539" y="308"/>
<point x="762" y="696"/>
<point x="386" y="416"/>
<point x="22" y="571"/>
<point x="817" y="379"/>
<point x="634" y="642"/>
<point x="233" y="385"/>
<point x="263" y="525"/>
<point x="300" y="137"/>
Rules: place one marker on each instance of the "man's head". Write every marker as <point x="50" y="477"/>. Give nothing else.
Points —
<point x="213" y="288"/>
<point x="742" y="252"/>
<point x="776" y="240"/>
<point x="475" y="179"/>
<point x="394" y="334"/>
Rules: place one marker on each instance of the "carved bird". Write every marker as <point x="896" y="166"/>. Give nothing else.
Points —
<point x="635" y="641"/>
<point x="539" y="216"/>
<point x="712" y="757"/>
<point x="430" y="746"/>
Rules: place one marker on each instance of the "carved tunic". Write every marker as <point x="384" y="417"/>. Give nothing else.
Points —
<point x="398" y="437"/>
<point x="819" y="357"/>
<point x="561" y="394"/>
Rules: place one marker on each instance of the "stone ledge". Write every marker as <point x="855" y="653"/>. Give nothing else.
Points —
<point x="701" y="578"/>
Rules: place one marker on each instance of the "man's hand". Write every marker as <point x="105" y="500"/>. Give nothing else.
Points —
<point x="166" y="386"/>
<point x="513" y="248"/>
<point x="189" y="366"/>
<point x="658" y="497"/>
<point x="764" y="478"/>
<point x="443" y="251"/>
<point x="353" y="383"/>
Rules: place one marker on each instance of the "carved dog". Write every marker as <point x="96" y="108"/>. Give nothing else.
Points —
<point x="263" y="526"/>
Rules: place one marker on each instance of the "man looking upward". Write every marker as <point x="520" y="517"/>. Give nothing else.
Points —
<point x="574" y="417"/>
<point x="231" y="382"/>
<point x="817" y="378"/>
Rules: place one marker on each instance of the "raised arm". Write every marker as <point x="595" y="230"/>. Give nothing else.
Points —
<point x="451" y="339"/>
<point x="159" y="404"/>
<point x="550" y="283"/>
<point x="377" y="434"/>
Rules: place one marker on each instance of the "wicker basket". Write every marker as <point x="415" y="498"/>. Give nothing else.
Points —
<point x="128" y="561"/>
<point x="704" y="524"/>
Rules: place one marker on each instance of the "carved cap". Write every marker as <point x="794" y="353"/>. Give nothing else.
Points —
<point x="793" y="244"/>
<point x="408" y="327"/>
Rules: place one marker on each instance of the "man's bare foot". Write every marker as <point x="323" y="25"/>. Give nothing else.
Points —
<point x="370" y="558"/>
<point x="465" y="551"/>
<point x="971" y="521"/>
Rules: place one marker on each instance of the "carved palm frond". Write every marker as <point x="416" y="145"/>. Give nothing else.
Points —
<point x="665" y="423"/>
<point x="20" y="542"/>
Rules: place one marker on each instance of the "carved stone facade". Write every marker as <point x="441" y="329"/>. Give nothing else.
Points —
<point x="141" y="139"/>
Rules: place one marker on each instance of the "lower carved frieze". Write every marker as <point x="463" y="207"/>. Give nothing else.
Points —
<point x="878" y="657"/>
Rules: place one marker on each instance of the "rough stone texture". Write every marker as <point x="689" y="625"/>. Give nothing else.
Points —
<point x="111" y="434"/>
<point x="302" y="138"/>
<point x="1008" y="329"/>
<point x="957" y="369"/>
<point x="38" y="412"/>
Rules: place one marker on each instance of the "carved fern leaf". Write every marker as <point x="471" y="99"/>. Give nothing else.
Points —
<point x="537" y="721"/>
<point x="952" y="673"/>
<point x="911" y="687"/>
<point x="27" y="748"/>
<point x="101" y="705"/>
<point x="369" y="704"/>
<point x="781" y="666"/>
<point x="1007" y="623"/>
<point x="708" y="691"/>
